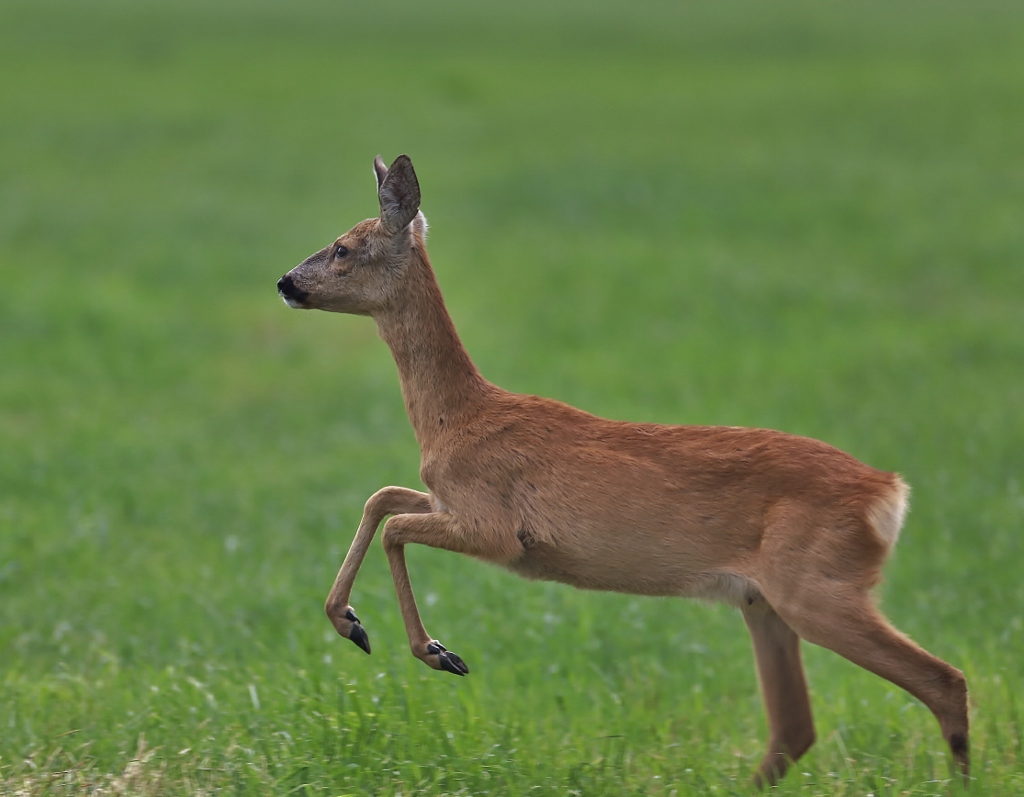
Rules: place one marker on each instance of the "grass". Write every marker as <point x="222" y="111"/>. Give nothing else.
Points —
<point x="805" y="217"/>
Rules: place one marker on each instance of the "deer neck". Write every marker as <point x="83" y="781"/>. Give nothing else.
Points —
<point x="440" y="384"/>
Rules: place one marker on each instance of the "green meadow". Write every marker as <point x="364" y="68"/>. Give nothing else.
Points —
<point x="803" y="216"/>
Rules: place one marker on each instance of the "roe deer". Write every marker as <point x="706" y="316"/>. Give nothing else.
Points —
<point x="790" y="530"/>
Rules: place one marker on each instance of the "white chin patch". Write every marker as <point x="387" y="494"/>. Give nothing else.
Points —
<point x="288" y="300"/>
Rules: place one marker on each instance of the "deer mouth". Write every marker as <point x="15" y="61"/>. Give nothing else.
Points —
<point x="293" y="296"/>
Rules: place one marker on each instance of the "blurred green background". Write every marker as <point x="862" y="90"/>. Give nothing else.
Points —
<point x="804" y="216"/>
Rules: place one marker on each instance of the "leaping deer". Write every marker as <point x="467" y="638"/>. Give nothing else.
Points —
<point x="791" y="530"/>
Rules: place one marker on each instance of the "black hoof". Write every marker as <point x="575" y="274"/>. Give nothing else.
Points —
<point x="358" y="635"/>
<point x="449" y="661"/>
<point x="453" y="664"/>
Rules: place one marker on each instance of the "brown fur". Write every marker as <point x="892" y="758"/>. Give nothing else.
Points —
<point x="791" y="530"/>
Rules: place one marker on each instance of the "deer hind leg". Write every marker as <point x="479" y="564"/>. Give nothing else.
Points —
<point x="780" y="672"/>
<point x="852" y="626"/>
<point x="387" y="501"/>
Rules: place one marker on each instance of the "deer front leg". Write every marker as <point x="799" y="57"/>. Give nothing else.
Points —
<point x="438" y="530"/>
<point x="387" y="501"/>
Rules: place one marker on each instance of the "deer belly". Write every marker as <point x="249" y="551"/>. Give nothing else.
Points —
<point x="620" y="564"/>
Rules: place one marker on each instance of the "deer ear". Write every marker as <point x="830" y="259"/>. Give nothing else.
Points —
<point x="380" y="171"/>
<point x="399" y="195"/>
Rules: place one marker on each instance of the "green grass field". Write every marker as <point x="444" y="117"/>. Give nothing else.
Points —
<point x="804" y="216"/>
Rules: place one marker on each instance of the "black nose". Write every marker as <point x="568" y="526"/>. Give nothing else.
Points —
<point x="286" y="287"/>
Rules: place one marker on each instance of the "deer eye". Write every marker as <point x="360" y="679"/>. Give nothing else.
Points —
<point x="341" y="251"/>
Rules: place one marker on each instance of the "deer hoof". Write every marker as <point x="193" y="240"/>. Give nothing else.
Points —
<point x="440" y="658"/>
<point x="357" y="633"/>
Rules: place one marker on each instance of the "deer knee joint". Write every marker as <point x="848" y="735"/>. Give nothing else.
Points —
<point x="378" y="500"/>
<point x="391" y="536"/>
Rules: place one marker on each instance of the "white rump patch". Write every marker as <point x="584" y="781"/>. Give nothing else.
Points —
<point x="888" y="514"/>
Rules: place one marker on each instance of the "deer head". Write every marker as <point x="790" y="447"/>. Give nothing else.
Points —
<point x="362" y="271"/>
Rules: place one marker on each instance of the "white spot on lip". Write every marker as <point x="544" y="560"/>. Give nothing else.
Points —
<point x="288" y="300"/>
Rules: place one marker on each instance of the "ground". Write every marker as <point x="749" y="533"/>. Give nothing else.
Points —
<point x="805" y="219"/>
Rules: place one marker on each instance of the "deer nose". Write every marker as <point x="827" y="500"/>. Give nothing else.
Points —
<point x="286" y="287"/>
<point x="290" y="292"/>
